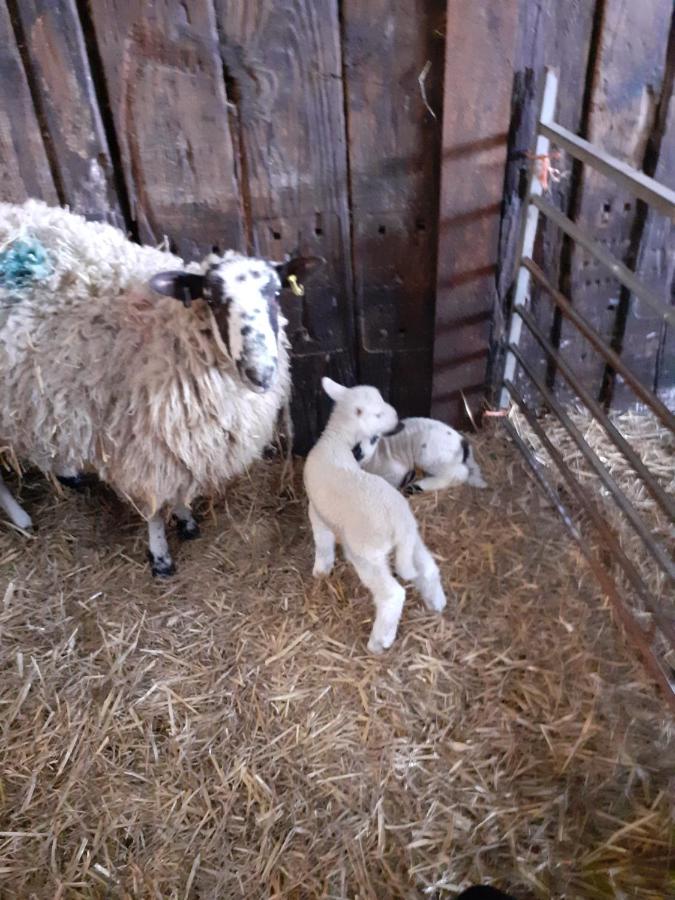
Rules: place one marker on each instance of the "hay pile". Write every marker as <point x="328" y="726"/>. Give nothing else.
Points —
<point x="655" y="445"/>
<point x="226" y="734"/>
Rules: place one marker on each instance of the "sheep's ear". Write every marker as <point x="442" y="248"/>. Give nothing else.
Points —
<point x="333" y="389"/>
<point x="184" y="286"/>
<point x="298" y="268"/>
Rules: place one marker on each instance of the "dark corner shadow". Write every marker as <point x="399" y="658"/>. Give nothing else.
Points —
<point x="460" y="278"/>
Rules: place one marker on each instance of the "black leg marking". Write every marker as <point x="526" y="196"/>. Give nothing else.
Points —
<point x="407" y="478"/>
<point x="358" y="452"/>
<point x="465" y="449"/>
<point x="162" y="566"/>
<point x="413" y="489"/>
<point x="187" y="530"/>
<point x="77" y="482"/>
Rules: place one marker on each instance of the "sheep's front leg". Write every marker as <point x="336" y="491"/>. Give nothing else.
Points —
<point x="324" y="544"/>
<point x="388" y="596"/>
<point x="188" y="529"/>
<point x="16" y="513"/>
<point x="158" y="548"/>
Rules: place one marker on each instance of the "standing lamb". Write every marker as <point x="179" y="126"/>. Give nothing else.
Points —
<point x="365" y="514"/>
<point x="444" y="455"/>
<point x="104" y="372"/>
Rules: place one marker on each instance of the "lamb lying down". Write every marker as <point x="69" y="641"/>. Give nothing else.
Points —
<point x="444" y="455"/>
<point x="366" y="515"/>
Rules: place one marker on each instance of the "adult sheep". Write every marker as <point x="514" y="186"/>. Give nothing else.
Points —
<point x="104" y="372"/>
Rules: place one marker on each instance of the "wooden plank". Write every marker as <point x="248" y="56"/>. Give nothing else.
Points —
<point x="24" y="166"/>
<point x="62" y="77"/>
<point x="648" y="342"/>
<point x="167" y="93"/>
<point x="478" y="83"/>
<point x="283" y="65"/>
<point x="557" y="35"/>
<point x="394" y="147"/>
<point x="626" y="86"/>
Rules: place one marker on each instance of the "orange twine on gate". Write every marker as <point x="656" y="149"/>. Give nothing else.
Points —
<point x="545" y="171"/>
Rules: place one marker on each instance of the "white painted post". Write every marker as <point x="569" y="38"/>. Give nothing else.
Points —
<point x="529" y="228"/>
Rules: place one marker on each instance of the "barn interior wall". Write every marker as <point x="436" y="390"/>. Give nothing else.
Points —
<point x="388" y="137"/>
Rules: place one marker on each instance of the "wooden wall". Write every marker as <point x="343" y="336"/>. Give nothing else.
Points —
<point x="387" y="136"/>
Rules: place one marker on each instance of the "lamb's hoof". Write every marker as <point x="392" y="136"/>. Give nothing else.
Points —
<point x="187" y="531"/>
<point x="321" y="571"/>
<point x="378" y="645"/>
<point x="77" y="482"/>
<point x="413" y="489"/>
<point x="161" y="566"/>
<point x="436" y="602"/>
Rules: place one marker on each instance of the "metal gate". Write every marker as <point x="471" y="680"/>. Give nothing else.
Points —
<point x="659" y="623"/>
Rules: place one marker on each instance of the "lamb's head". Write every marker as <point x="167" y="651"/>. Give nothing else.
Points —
<point x="243" y="293"/>
<point x="360" y="413"/>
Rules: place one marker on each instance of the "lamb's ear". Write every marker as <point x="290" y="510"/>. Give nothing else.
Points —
<point x="332" y="388"/>
<point x="184" y="286"/>
<point x="298" y="267"/>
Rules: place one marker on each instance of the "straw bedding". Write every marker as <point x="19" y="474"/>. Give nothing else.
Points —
<point x="226" y="734"/>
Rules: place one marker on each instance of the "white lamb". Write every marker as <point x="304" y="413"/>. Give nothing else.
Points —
<point x="364" y="513"/>
<point x="444" y="455"/>
<point x="104" y="372"/>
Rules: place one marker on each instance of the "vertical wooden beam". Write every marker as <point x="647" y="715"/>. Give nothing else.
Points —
<point x="480" y="42"/>
<point x="393" y="65"/>
<point x="283" y="65"/>
<point x="648" y="342"/>
<point x="558" y="35"/>
<point x="56" y="56"/>
<point x="168" y="97"/>
<point x="626" y="85"/>
<point x="24" y="166"/>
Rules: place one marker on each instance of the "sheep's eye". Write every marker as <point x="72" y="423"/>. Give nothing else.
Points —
<point x="378" y="416"/>
<point x="359" y="411"/>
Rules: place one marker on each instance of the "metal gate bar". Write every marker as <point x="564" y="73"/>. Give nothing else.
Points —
<point x="650" y="191"/>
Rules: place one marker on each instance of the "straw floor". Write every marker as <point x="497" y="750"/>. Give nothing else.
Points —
<point x="225" y="734"/>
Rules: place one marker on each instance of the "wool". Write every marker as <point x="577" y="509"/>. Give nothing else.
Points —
<point x="101" y="374"/>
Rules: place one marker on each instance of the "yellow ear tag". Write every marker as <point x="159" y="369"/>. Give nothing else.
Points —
<point x="297" y="288"/>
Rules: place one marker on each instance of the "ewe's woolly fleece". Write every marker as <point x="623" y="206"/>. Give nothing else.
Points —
<point x="101" y="374"/>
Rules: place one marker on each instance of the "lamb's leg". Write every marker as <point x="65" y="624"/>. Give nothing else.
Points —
<point x="17" y="515"/>
<point x="454" y="474"/>
<point x="324" y="544"/>
<point x="187" y="529"/>
<point x="388" y="596"/>
<point x="428" y="578"/>
<point x="158" y="552"/>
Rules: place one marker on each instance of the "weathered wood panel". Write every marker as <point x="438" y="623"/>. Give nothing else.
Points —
<point x="626" y="86"/>
<point x="394" y="145"/>
<point x="557" y="35"/>
<point x="480" y="42"/>
<point x="57" y="57"/>
<point x="283" y="68"/>
<point x="24" y="166"/>
<point x="648" y="343"/>
<point x="168" y="98"/>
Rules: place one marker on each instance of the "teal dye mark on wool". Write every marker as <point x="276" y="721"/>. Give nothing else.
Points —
<point x="23" y="262"/>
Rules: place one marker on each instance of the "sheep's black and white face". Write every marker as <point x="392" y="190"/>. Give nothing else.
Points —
<point x="243" y="293"/>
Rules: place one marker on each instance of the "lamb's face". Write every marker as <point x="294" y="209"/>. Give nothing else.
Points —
<point x="243" y="293"/>
<point x="362" y="412"/>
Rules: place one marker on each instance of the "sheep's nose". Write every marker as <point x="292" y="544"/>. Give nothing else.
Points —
<point x="260" y="379"/>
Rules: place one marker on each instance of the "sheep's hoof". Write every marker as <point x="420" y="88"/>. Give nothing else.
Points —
<point x="161" y="566"/>
<point x="187" y="530"/>
<point x="77" y="482"/>
<point x="413" y="489"/>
